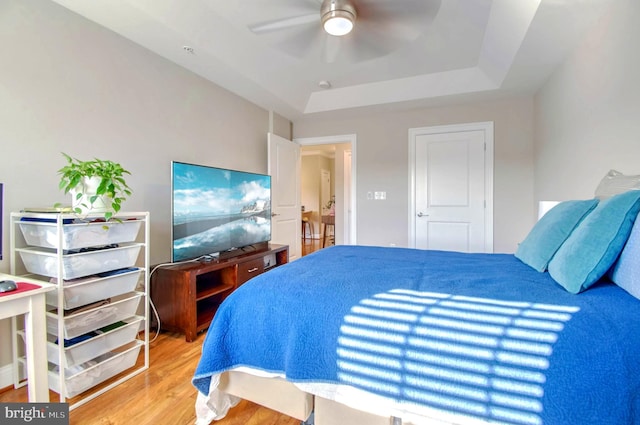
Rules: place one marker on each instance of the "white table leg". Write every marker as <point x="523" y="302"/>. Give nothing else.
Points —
<point x="36" y="346"/>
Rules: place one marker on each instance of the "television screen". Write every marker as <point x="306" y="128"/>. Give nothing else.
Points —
<point x="216" y="210"/>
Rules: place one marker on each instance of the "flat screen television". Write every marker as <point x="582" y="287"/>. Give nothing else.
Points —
<point x="217" y="210"/>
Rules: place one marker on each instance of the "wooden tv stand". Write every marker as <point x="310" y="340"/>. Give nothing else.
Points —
<point x="187" y="295"/>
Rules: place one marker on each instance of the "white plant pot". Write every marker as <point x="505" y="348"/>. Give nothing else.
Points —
<point x="89" y="186"/>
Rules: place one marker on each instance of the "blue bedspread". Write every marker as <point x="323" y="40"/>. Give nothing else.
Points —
<point x="482" y="335"/>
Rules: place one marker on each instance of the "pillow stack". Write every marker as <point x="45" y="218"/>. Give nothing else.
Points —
<point x="582" y="240"/>
<point x="551" y="231"/>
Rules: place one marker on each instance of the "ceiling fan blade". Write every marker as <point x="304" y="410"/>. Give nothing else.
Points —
<point x="416" y="9"/>
<point x="331" y="48"/>
<point x="359" y="49"/>
<point x="383" y="27"/>
<point x="301" y="41"/>
<point x="284" y="23"/>
<point x="403" y="20"/>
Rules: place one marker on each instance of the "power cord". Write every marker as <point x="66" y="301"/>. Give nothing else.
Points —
<point x="153" y="307"/>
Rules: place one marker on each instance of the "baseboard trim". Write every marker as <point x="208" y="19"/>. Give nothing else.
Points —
<point x="6" y="376"/>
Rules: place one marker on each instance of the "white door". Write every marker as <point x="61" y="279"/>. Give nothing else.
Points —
<point x="453" y="188"/>
<point x="325" y="191"/>
<point x="284" y="168"/>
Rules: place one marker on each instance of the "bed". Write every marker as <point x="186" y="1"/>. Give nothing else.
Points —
<point x="373" y="335"/>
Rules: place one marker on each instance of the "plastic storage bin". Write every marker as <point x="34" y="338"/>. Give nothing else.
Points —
<point x="86" y="321"/>
<point x="100" y="270"/>
<point x="96" y="346"/>
<point x="45" y="262"/>
<point x="92" y="289"/>
<point x="80" y="235"/>
<point x="97" y="370"/>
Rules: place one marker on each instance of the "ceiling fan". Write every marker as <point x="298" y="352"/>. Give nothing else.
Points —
<point x="351" y="30"/>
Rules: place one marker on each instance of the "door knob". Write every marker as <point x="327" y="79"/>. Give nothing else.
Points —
<point x="422" y="215"/>
<point x="274" y="214"/>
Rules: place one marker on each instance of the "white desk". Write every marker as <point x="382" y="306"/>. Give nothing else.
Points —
<point x="32" y="305"/>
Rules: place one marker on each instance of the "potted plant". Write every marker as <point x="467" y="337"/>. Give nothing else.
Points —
<point x="330" y="207"/>
<point x="95" y="186"/>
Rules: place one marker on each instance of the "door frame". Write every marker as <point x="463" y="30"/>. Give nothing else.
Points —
<point x="487" y="128"/>
<point x="348" y="214"/>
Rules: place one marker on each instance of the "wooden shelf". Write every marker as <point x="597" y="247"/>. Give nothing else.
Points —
<point x="206" y="310"/>
<point x="187" y="295"/>
<point x="201" y="295"/>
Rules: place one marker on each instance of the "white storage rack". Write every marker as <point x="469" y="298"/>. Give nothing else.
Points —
<point x="73" y="252"/>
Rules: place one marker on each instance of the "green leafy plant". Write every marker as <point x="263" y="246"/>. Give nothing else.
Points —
<point x="112" y="189"/>
<point x="331" y="202"/>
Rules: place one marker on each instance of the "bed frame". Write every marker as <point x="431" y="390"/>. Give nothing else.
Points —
<point x="284" y="397"/>
<point x="274" y="393"/>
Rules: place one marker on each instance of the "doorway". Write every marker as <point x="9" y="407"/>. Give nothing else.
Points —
<point x="342" y="152"/>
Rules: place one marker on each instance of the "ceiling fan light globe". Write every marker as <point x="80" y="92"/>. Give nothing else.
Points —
<point x="338" y="22"/>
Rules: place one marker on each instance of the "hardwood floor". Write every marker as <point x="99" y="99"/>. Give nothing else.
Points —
<point x="311" y="245"/>
<point x="163" y="394"/>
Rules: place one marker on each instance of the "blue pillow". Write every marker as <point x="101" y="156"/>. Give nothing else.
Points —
<point x="551" y="231"/>
<point x="594" y="245"/>
<point x="626" y="272"/>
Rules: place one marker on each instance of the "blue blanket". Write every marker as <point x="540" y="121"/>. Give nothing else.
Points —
<point x="482" y="335"/>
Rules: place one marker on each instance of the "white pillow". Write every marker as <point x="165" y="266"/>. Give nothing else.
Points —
<point x="614" y="183"/>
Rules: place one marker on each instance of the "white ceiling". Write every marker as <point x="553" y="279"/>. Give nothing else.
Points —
<point x="435" y="51"/>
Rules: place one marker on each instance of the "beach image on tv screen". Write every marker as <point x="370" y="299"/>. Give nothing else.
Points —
<point x="215" y="210"/>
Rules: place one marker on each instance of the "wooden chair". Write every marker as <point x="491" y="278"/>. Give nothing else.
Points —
<point x="307" y="224"/>
<point x="327" y="220"/>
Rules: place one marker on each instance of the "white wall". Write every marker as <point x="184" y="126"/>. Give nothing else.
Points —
<point x="69" y="85"/>
<point x="587" y="116"/>
<point x="383" y="165"/>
